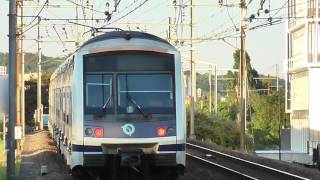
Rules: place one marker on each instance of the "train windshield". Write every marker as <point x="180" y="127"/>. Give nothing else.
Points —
<point x="145" y="94"/>
<point x="99" y="93"/>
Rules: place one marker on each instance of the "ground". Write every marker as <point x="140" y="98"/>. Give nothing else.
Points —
<point x="38" y="150"/>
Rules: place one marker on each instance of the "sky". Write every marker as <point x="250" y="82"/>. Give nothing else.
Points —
<point x="266" y="46"/>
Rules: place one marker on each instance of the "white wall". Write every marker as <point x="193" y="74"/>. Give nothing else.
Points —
<point x="314" y="103"/>
<point x="4" y="94"/>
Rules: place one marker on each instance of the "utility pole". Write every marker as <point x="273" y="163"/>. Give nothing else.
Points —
<point x="279" y="118"/>
<point x="12" y="90"/>
<point x="243" y="76"/>
<point x="277" y="74"/>
<point x="215" y="90"/>
<point x="210" y="88"/>
<point x="192" y="75"/>
<point x="39" y="105"/>
<point x="169" y="30"/>
<point x="22" y="91"/>
<point x="18" y="74"/>
<point x="22" y="99"/>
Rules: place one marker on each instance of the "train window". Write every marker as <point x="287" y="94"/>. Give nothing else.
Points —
<point x="129" y="61"/>
<point x="98" y="93"/>
<point x="145" y="93"/>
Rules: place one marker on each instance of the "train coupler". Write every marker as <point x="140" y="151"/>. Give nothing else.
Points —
<point x="131" y="158"/>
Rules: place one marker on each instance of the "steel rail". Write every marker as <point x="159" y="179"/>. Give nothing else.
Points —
<point x="289" y="175"/>
<point x="245" y="176"/>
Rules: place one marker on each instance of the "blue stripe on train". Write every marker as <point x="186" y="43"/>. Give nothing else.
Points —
<point x="167" y="147"/>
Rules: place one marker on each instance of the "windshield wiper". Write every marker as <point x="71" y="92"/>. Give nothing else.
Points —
<point x="104" y="107"/>
<point x="140" y="108"/>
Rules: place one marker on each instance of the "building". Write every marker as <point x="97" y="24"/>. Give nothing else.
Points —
<point x="303" y="75"/>
<point x="3" y="70"/>
<point x="4" y="91"/>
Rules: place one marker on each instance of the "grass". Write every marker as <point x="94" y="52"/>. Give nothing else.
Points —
<point x="2" y="161"/>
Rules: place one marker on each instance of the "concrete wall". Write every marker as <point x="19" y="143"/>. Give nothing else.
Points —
<point x="286" y="139"/>
<point x="286" y="156"/>
<point x="4" y="94"/>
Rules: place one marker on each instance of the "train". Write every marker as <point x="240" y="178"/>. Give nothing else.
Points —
<point x="117" y="104"/>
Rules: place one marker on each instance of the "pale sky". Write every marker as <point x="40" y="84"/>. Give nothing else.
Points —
<point x="266" y="46"/>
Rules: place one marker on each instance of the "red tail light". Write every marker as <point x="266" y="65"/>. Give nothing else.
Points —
<point x="161" y="132"/>
<point x="98" y="132"/>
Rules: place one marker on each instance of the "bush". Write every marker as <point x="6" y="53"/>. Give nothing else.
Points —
<point x="215" y="130"/>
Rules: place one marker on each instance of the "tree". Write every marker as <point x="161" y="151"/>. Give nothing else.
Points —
<point x="31" y="98"/>
<point x="252" y="73"/>
<point x="31" y="62"/>
<point x="268" y="114"/>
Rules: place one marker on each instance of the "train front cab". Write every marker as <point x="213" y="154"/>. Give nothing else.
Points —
<point x="134" y="113"/>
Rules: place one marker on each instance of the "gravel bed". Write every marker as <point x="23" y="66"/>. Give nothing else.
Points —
<point x="39" y="150"/>
<point x="311" y="173"/>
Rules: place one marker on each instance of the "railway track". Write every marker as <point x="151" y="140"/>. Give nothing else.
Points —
<point x="234" y="167"/>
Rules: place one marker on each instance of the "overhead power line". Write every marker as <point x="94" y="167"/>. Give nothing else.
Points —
<point x="35" y="17"/>
<point x="125" y="15"/>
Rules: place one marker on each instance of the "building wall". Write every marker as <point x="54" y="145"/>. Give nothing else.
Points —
<point x="299" y="91"/>
<point x="3" y="70"/>
<point x="314" y="107"/>
<point x="4" y="92"/>
<point x="299" y="122"/>
<point x="299" y="118"/>
<point x="303" y="74"/>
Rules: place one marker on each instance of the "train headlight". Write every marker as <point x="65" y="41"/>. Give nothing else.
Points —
<point x="98" y="132"/>
<point x="88" y="132"/>
<point x="161" y="131"/>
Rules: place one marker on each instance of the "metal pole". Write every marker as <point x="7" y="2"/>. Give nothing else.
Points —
<point x="279" y="119"/>
<point x="39" y="120"/>
<point x="210" y="89"/>
<point x="215" y="90"/>
<point x="4" y="128"/>
<point x="193" y="75"/>
<point x="18" y="74"/>
<point x="22" y="94"/>
<point x="277" y="74"/>
<point x="12" y="90"/>
<point x="243" y="76"/>
<point x="169" y="33"/>
<point x="22" y="111"/>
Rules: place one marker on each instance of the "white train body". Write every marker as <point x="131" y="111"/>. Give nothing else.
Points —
<point x="120" y="95"/>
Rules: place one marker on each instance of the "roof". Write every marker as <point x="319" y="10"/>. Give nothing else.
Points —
<point x="126" y="35"/>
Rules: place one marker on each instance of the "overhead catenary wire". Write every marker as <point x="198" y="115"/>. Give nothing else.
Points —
<point x="36" y="16"/>
<point x="62" y="42"/>
<point x="85" y="7"/>
<point x="125" y="15"/>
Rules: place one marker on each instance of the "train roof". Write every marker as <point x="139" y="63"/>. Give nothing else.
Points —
<point x="126" y="35"/>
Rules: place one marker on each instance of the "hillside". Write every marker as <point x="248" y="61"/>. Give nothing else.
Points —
<point x="31" y="62"/>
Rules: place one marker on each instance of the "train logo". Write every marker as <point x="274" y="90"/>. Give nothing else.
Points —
<point x="128" y="129"/>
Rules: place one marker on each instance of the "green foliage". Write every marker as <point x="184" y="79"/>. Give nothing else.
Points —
<point x="213" y="129"/>
<point x="229" y="108"/>
<point x="3" y="162"/>
<point x="31" y="98"/>
<point x="203" y="82"/>
<point x="49" y="64"/>
<point x="268" y="112"/>
<point x="216" y="130"/>
<point x="252" y="73"/>
<point x="264" y="112"/>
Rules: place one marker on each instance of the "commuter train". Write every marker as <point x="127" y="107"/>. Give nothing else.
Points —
<point x="117" y="103"/>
